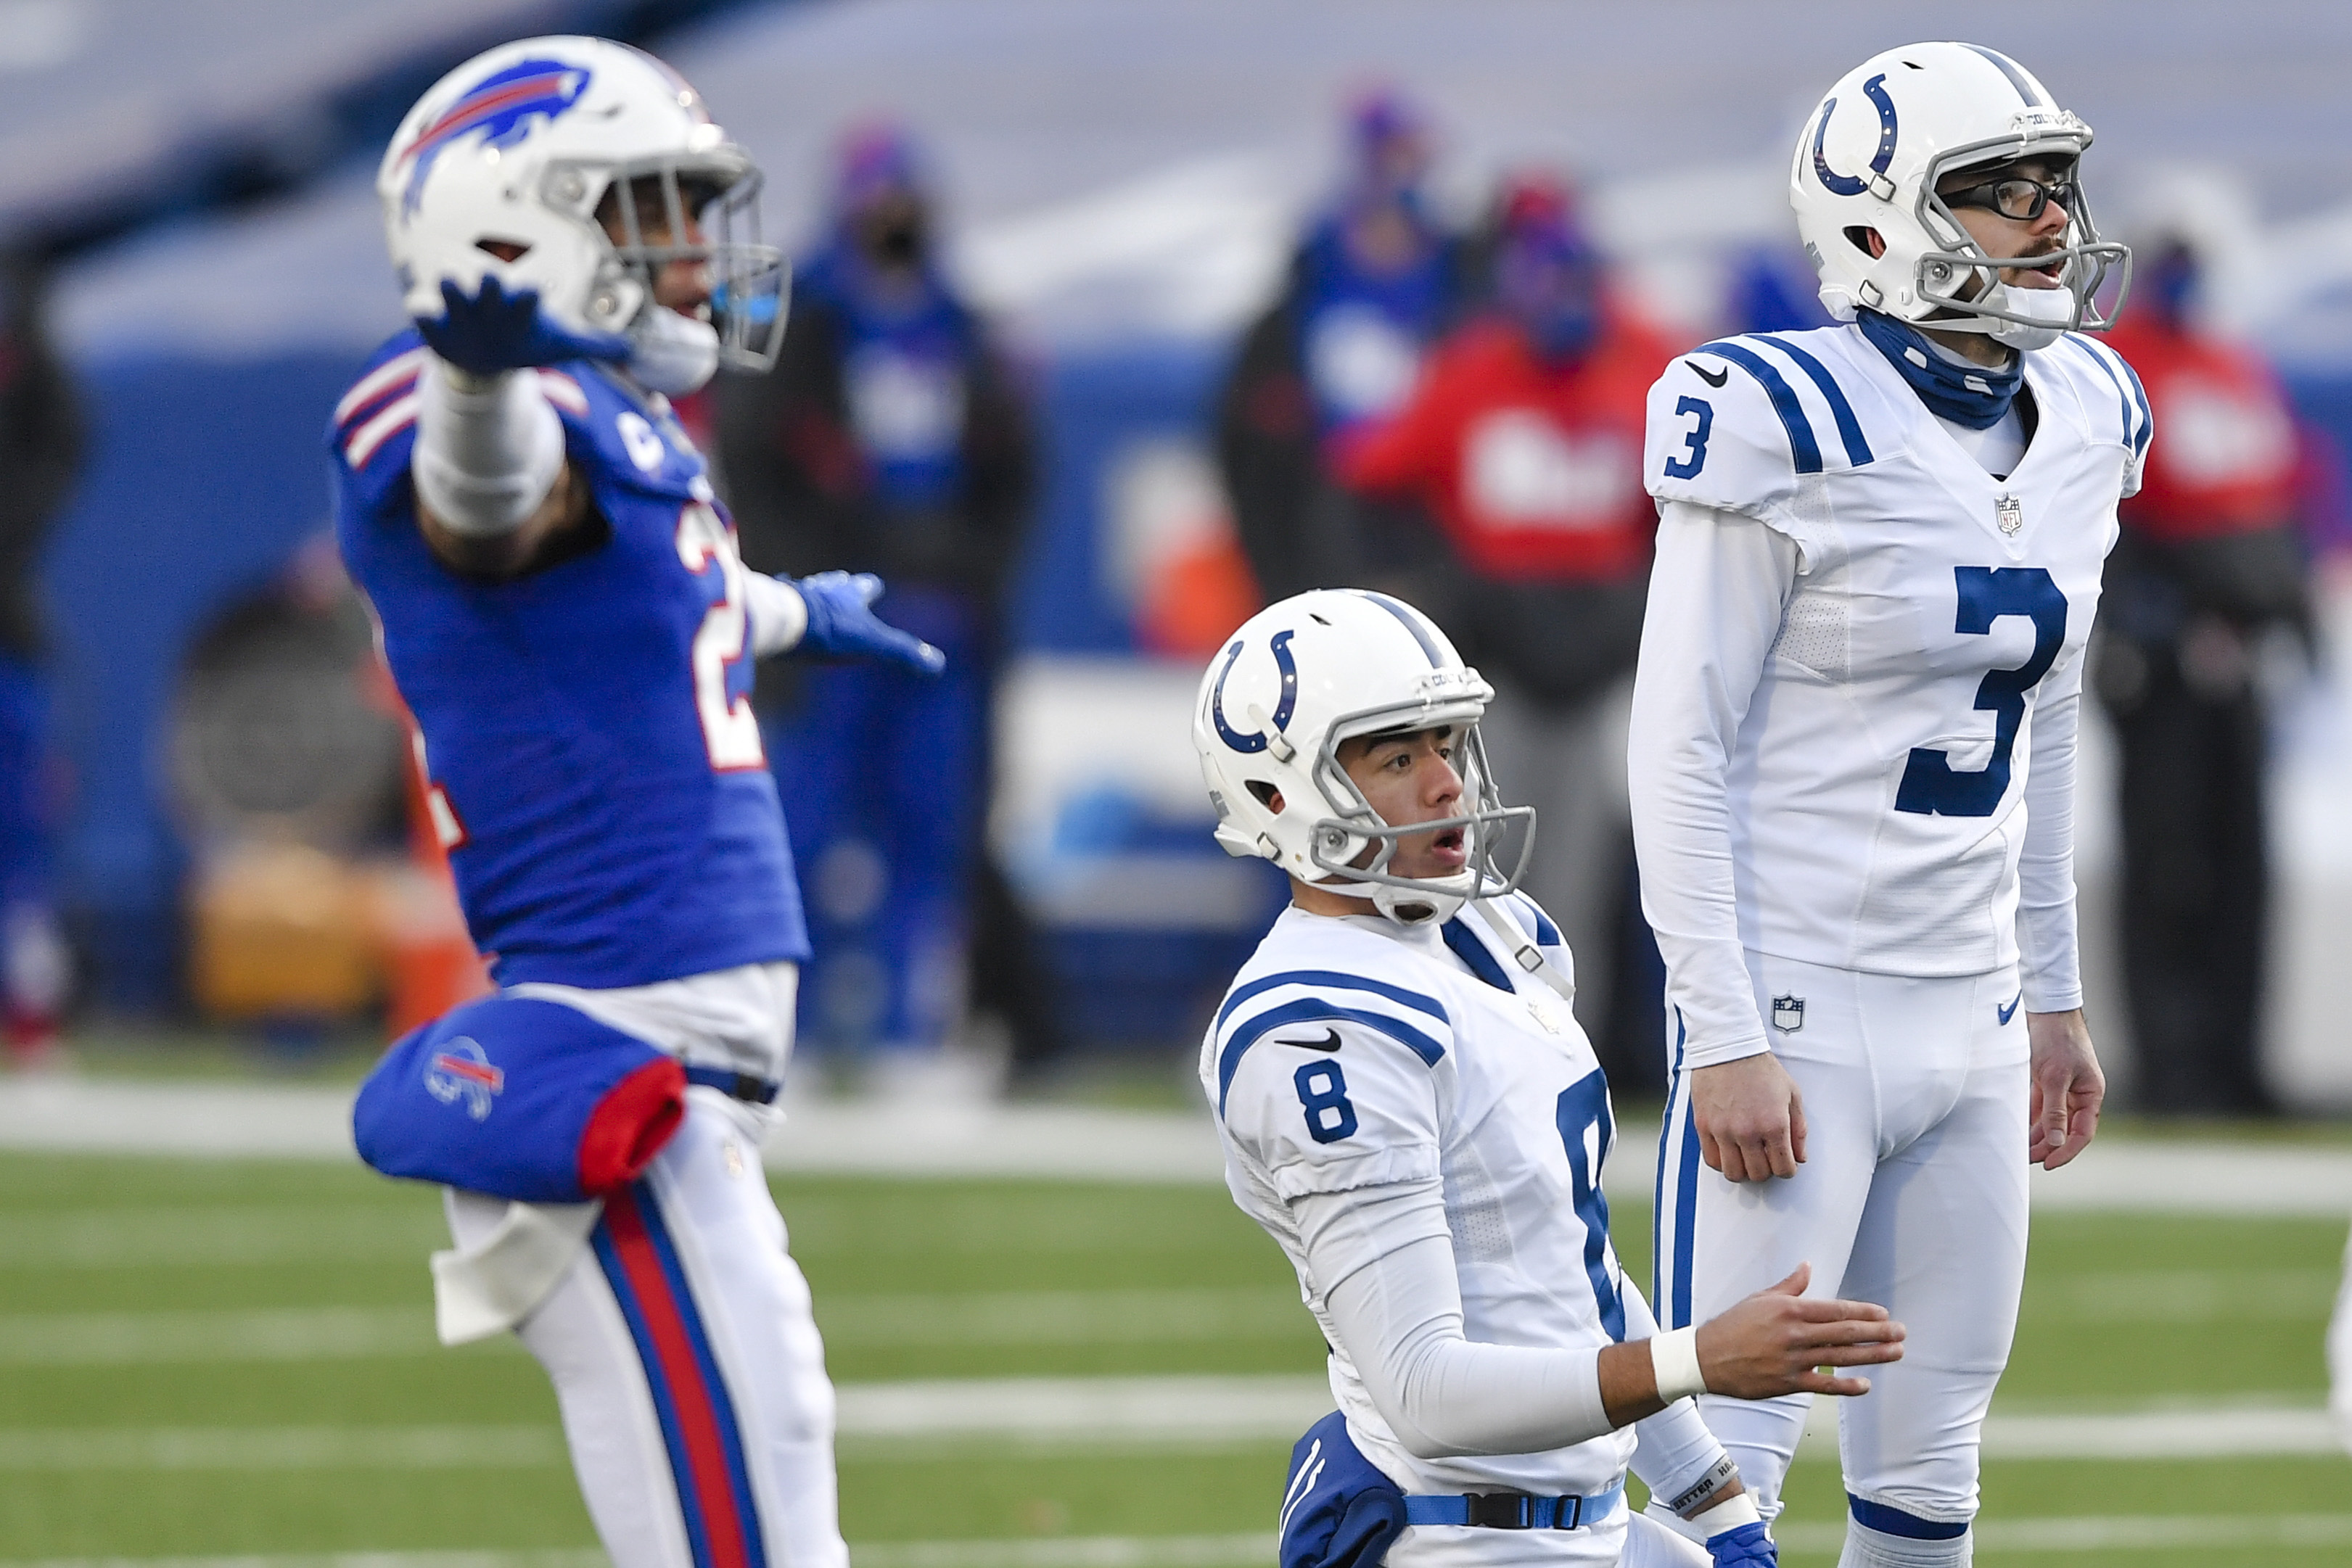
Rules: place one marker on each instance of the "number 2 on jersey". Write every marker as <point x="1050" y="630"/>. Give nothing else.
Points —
<point x="731" y="731"/>
<point x="1931" y="785"/>
<point x="1588" y="1130"/>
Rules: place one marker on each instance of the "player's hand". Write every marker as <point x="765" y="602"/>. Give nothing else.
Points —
<point x="1777" y="1340"/>
<point x="494" y="331"/>
<point x="1749" y="1118"/>
<point x="2068" y="1088"/>
<point x="1749" y="1546"/>
<point x="842" y="623"/>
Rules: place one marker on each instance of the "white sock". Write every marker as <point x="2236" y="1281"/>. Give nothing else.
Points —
<point x="1868" y="1548"/>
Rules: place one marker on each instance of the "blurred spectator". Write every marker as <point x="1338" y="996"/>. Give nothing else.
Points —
<point x="1373" y="281"/>
<point x="1773" y="288"/>
<point x="890" y="437"/>
<point x="2209" y="561"/>
<point x="298" y="784"/>
<point x="1523" y="440"/>
<point x="40" y="455"/>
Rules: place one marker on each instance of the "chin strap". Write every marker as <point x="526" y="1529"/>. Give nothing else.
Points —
<point x="670" y="354"/>
<point x="1524" y="953"/>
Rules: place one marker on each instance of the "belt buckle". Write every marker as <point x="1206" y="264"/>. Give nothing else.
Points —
<point x="1500" y="1509"/>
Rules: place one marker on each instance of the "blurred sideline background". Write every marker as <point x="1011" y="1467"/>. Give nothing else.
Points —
<point x="1122" y="184"/>
<point x="1058" y="1344"/>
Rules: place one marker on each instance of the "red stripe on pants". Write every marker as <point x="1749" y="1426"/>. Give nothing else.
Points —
<point x="708" y="1486"/>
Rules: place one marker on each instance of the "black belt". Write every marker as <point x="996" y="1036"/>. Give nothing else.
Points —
<point x="745" y="1086"/>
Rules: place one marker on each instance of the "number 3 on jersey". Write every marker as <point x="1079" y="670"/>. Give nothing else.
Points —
<point x="1931" y="785"/>
<point x="731" y="731"/>
<point x="1693" y="453"/>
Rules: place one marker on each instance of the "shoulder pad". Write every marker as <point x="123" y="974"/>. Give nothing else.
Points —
<point x="1739" y="423"/>
<point x="2115" y="400"/>
<point x="1389" y="1014"/>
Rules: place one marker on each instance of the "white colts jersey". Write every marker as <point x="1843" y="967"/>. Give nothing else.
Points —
<point x="1355" y="1052"/>
<point x="1877" y="782"/>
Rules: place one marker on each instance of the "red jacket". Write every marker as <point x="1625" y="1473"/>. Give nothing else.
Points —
<point x="1533" y="470"/>
<point x="2223" y="460"/>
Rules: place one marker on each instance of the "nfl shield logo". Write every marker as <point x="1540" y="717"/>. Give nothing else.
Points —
<point x="1788" y="1014"/>
<point x="2009" y="512"/>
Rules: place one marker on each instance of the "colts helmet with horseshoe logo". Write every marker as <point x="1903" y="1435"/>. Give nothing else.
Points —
<point x="1868" y="158"/>
<point x="1303" y="676"/>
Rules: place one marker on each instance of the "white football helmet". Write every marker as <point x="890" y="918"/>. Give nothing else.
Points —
<point x="1303" y="676"/>
<point x="1869" y="157"/>
<point x="519" y="147"/>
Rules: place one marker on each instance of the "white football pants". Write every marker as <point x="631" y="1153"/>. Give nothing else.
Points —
<point x="686" y="1362"/>
<point x="1912" y="1195"/>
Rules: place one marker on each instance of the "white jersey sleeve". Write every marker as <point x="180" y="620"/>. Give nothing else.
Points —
<point x="1398" y="1318"/>
<point x="1748" y="426"/>
<point x="2049" y="961"/>
<point x="1325" y="1079"/>
<point x="1717" y="593"/>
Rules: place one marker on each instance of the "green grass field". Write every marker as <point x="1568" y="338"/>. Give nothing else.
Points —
<point x="206" y="1359"/>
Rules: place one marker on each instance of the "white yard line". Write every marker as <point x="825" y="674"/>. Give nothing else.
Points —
<point x="289" y="1333"/>
<point x="284" y="1449"/>
<point x="1094" y="1413"/>
<point x="64" y="1113"/>
<point x="343" y="1333"/>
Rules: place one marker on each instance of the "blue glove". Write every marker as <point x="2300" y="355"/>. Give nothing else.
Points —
<point x="1746" y="1546"/>
<point x="494" y="331"/>
<point x="842" y="623"/>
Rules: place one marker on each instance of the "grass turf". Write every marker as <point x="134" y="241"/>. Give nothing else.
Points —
<point x="928" y="1279"/>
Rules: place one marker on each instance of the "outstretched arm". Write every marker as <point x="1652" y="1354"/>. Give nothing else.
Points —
<point x="493" y="487"/>
<point x="831" y="613"/>
<point x="1399" y="1319"/>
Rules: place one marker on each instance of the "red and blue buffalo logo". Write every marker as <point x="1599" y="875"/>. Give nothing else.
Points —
<point x="503" y="107"/>
<point x="462" y="1072"/>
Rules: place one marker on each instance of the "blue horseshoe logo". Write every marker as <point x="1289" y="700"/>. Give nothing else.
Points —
<point x="1840" y="184"/>
<point x="1282" y="708"/>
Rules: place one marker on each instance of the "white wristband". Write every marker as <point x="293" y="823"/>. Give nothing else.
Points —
<point x="1730" y="1514"/>
<point x="1674" y="1361"/>
<point x="779" y="614"/>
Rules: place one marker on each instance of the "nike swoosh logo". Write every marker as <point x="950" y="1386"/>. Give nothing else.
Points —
<point x="2009" y="1012"/>
<point x="1716" y="379"/>
<point x="1331" y="1041"/>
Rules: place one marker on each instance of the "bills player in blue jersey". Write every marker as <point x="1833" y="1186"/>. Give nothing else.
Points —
<point x="1852" y="760"/>
<point x="1410" y="1109"/>
<point x="563" y="610"/>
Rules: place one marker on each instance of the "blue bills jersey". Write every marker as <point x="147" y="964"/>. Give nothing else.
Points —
<point x="595" y="768"/>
